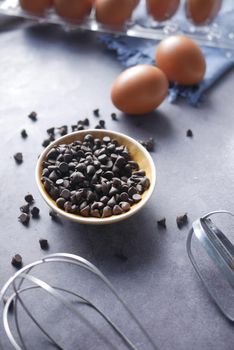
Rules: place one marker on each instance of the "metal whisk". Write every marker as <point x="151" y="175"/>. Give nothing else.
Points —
<point x="16" y="288"/>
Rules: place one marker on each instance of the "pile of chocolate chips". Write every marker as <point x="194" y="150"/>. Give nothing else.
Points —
<point x="94" y="177"/>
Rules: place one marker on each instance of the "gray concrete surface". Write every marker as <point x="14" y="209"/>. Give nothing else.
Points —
<point x="64" y="77"/>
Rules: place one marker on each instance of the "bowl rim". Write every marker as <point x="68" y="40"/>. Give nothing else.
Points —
<point x="92" y="220"/>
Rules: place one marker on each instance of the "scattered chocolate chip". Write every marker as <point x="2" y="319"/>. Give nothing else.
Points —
<point x="102" y="123"/>
<point x="17" y="261"/>
<point x="114" y="116"/>
<point x="29" y="198"/>
<point x="86" y="122"/>
<point x="182" y="220"/>
<point x="189" y="133"/>
<point x="43" y="244"/>
<point x="35" y="212"/>
<point x="51" y="131"/>
<point x="24" y="218"/>
<point x="46" y="142"/>
<point x="96" y="112"/>
<point x="121" y="257"/>
<point x="18" y="157"/>
<point x="98" y="126"/>
<point x="148" y="144"/>
<point x="24" y="134"/>
<point x="162" y="223"/>
<point x="63" y="130"/>
<point x="33" y="116"/>
<point x="53" y="215"/>
<point x="25" y="208"/>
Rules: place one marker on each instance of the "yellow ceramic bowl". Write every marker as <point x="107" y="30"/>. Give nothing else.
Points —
<point x="138" y="154"/>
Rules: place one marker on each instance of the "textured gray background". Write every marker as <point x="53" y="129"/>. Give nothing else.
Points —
<point x="64" y="77"/>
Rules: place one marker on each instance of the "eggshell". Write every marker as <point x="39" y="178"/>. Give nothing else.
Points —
<point x="36" y="6"/>
<point x="73" y="10"/>
<point x="139" y="89"/>
<point x="162" y="10"/>
<point x="114" y="12"/>
<point x="202" y="12"/>
<point x="181" y="60"/>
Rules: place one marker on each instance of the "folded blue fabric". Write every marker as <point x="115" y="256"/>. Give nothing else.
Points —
<point x="131" y="51"/>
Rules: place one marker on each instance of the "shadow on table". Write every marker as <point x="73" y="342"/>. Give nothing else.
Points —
<point x="155" y="123"/>
<point x="72" y="41"/>
<point x="130" y="244"/>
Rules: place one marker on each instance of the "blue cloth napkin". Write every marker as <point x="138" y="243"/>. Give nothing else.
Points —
<point x="131" y="51"/>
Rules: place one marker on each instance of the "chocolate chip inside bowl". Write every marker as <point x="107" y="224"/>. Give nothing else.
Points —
<point x="93" y="177"/>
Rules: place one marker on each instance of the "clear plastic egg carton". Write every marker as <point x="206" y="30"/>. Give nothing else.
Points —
<point x="219" y="33"/>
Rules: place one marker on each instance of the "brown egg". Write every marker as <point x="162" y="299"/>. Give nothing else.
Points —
<point x="162" y="10"/>
<point x="114" y="12"/>
<point x="181" y="60"/>
<point x="139" y="89"/>
<point x="73" y="10"/>
<point x="202" y="12"/>
<point x="36" y="6"/>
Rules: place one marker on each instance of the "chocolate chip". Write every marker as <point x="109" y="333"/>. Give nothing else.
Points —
<point x="24" y="134"/>
<point x="85" y="211"/>
<point x="102" y="123"/>
<point x="107" y="212"/>
<point x="96" y="112"/>
<point x="132" y="190"/>
<point x="182" y="220"/>
<point x="24" y="218"/>
<point x="33" y="116"/>
<point x="162" y="223"/>
<point x="25" y="208"/>
<point x="68" y="207"/>
<point x="63" y="167"/>
<point x="112" y="202"/>
<point x="86" y="122"/>
<point x="63" y="130"/>
<point x="189" y="133"/>
<point x="136" y="198"/>
<point x="120" y="162"/>
<point x="53" y="215"/>
<point x="148" y="144"/>
<point x="29" y="198"/>
<point x="35" y="212"/>
<point x="50" y="131"/>
<point x="117" y="210"/>
<point x="77" y="177"/>
<point x="60" y="202"/>
<point x="125" y="206"/>
<point x="18" y="157"/>
<point x="52" y="154"/>
<point x="114" y="116"/>
<point x="43" y="244"/>
<point x="103" y="158"/>
<point x="46" y="142"/>
<point x="17" y="261"/>
<point x="124" y="197"/>
<point x="95" y="213"/>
